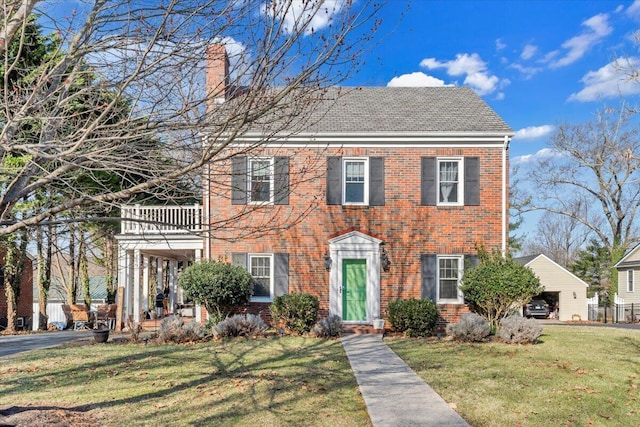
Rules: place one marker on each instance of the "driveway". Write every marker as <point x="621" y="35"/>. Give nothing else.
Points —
<point x="14" y="344"/>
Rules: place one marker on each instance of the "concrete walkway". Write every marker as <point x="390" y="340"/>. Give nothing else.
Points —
<point x="394" y="394"/>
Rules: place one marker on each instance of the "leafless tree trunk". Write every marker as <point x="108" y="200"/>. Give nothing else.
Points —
<point x="147" y="63"/>
<point x="44" y="249"/>
<point x="72" y="290"/>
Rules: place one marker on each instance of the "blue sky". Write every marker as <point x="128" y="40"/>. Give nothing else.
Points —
<point x="536" y="63"/>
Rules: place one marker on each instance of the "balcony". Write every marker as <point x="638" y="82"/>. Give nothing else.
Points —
<point x="161" y="220"/>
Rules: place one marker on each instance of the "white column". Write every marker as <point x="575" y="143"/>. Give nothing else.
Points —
<point x="123" y="279"/>
<point x="160" y="265"/>
<point x="136" y="285"/>
<point x="198" y="257"/>
<point x="145" y="283"/>
<point x="173" y="285"/>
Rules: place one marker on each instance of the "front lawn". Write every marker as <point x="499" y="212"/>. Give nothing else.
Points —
<point x="576" y="376"/>
<point x="264" y="382"/>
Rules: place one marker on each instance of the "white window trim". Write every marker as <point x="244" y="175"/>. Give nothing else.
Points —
<point x="460" y="201"/>
<point x="460" y="298"/>
<point x="366" y="180"/>
<point x="630" y="281"/>
<point x="271" y="161"/>
<point x="271" y="276"/>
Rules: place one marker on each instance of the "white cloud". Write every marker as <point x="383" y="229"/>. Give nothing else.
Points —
<point x="298" y="12"/>
<point x="545" y="153"/>
<point x="597" y="28"/>
<point x="417" y="79"/>
<point x="500" y="44"/>
<point x="533" y="132"/>
<point x="471" y="66"/>
<point x="482" y="82"/>
<point x="463" y="64"/>
<point x="529" y="51"/>
<point x="609" y="81"/>
<point x="527" y="72"/>
<point x="633" y="11"/>
<point x="499" y="96"/>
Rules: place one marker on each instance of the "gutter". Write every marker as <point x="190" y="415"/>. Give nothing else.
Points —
<point x="505" y="196"/>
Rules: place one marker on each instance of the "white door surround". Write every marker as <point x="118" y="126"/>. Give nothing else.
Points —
<point x="355" y="245"/>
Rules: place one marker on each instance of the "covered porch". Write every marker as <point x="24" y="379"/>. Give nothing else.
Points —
<point x="155" y="243"/>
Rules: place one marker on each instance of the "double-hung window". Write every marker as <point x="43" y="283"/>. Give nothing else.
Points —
<point x="356" y="181"/>
<point x="261" y="269"/>
<point x="450" y="189"/>
<point x="450" y="181"/>
<point x="450" y="270"/>
<point x="260" y="180"/>
<point x="629" y="280"/>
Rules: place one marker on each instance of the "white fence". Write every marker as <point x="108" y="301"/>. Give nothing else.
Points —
<point x="55" y="313"/>
<point x="138" y="219"/>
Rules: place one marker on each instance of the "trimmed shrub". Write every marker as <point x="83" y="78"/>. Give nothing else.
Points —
<point x="240" y="325"/>
<point x="219" y="286"/>
<point x="497" y="285"/>
<point x="471" y="328"/>
<point x="297" y="311"/>
<point x="328" y="327"/>
<point x="173" y="329"/>
<point x="519" y="330"/>
<point x="413" y="317"/>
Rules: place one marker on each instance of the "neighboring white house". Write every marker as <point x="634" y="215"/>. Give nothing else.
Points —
<point x="628" y="277"/>
<point x="561" y="287"/>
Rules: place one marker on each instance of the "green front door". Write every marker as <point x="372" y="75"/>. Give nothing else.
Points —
<point x="354" y="289"/>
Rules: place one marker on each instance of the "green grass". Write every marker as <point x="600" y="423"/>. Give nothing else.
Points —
<point x="576" y="376"/>
<point x="267" y="382"/>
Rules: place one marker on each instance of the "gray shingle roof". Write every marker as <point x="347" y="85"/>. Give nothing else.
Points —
<point x="403" y="109"/>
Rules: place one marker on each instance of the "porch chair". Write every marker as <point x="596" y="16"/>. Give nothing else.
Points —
<point x="80" y="317"/>
<point x="111" y="315"/>
<point x="102" y="312"/>
<point x="66" y="309"/>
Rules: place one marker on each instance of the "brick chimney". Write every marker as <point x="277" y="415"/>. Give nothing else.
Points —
<point x="217" y="74"/>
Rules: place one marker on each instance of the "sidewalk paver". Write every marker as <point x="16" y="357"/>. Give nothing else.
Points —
<point x="393" y="393"/>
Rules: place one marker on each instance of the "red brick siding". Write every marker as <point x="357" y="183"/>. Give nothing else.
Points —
<point x="407" y="228"/>
<point x="25" y="300"/>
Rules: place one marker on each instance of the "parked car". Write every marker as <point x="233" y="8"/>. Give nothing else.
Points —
<point x="537" y="308"/>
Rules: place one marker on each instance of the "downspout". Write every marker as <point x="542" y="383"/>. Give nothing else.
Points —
<point x="505" y="196"/>
<point x="206" y="222"/>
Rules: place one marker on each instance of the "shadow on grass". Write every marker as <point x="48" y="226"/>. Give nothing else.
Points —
<point x="276" y="374"/>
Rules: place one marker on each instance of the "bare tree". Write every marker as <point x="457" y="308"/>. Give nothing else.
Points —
<point x="592" y="177"/>
<point x="560" y="237"/>
<point x="125" y="93"/>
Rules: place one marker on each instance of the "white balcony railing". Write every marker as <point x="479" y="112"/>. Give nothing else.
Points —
<point x="138" y="219"/>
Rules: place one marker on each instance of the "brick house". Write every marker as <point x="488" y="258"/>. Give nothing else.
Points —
<point x="384" y="193"/>
<point x="24" y="310"/>
<point x="408" y="183"/>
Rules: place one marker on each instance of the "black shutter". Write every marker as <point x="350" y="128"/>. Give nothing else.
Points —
<point x="471" y="261"/>
<point x="428" y="269"/>
<point x="281" y="181"/>
<point x="239" y="259"/>
<point x="472" y="181"/>
<point x="428" y="191"/>
<point x="334" y="180"/>
<point x="376" y="181"/>
<point x="239" y="180"/>
<point x="281" y="274"/>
